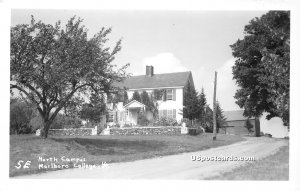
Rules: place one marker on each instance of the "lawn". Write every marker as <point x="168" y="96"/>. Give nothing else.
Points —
<point x="98" y="149"/>
<point x="274" y="167"/>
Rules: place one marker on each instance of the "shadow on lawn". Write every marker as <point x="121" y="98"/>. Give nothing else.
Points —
<point x="99" y="147"/>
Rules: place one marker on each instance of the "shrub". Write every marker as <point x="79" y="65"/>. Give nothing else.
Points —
<point x="165" y="121"/>
<point x="196" y="128"/>
<point x="20" y="115"/>
<point x="117" y="125"/>
<point x="127" y="125"/>
<point x="188" y="123"/>
<point x="25" y="129"/>
<point x="65" y="122"/>
<point x="142" y="119"/>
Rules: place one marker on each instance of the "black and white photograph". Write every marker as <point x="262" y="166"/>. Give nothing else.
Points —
<point x="150" y="94"/>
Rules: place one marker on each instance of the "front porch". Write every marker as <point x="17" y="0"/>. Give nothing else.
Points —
<point x="125" y="115"/>
<point x="132" y="110"/>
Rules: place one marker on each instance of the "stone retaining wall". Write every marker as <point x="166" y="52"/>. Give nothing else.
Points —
<point x="72" y="132"/>
<point x="169" y="130"/>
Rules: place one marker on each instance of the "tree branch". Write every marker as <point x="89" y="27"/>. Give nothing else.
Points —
<point x="62" y="103"/>
<point x="27" y="94"/>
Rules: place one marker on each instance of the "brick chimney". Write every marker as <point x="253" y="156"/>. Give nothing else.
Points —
<point x="149" y="71"/>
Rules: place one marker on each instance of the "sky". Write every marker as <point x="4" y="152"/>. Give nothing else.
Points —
<point x="171" y="41"/>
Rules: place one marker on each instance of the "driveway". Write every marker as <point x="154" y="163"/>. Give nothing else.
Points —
<point x="179" y="166"/>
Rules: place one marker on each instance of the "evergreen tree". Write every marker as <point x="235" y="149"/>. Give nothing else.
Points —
<point x="145" y="99"/>
<point x="208" y="120"/>
<point x="191" y="103"/>
<point x="118" y="97"/>
<point x="136" y="96"/>
<point x="92" y="111"/>
<point x="125" y="97"/>
<point x="149" y="102"/>
<point x="202" y="105"/>
<point x="221" y="119"/>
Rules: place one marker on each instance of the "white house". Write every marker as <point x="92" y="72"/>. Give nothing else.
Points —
<point x="170" y="103"/>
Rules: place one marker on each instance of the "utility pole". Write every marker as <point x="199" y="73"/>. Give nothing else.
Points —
<point x="215" y="109"/>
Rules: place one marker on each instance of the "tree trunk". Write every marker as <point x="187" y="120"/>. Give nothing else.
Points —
<point x="44" y="131"/>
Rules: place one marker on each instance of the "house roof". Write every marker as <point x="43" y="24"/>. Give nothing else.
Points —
<point x="134" y="103"/>
<point x="155" y="81"/>
<point x="236" y="115"/>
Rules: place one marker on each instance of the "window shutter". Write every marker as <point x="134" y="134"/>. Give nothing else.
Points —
<point x="122" y="116"/>
<point x="115" y="118"/>
<point x="174" y="94"/>
<point x="174" y="113"/>
<point x="165" y="95"/>
<point x="118" y="116"/>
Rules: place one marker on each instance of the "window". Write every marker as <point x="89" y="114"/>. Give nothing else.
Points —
<point x="121" y="116"/>
<point x="164" y="113"/>
<point x="110" y="116"/>
<point x="174" y="113"/>
<point x="170" y="114"/>
<point x="167" y="113"/>
<point x="169" y="94"/>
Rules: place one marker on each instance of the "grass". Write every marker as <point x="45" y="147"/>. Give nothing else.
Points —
<point x="109" y="149"/>
<point x="273" y="167"/>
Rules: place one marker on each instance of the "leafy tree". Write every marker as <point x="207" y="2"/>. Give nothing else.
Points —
<point x="94" y="110"/>
<point x="20" y="116"/>
<point x="191" y="103"/>
<point x="119" y="96"/>
<point x="51" y="64"/>
<point x="136" y="96"/>
<point x="262" y="67"/>
<point x="65" y="122"/>
<point x="73" y="107"/>
<point x="159" y="94"/>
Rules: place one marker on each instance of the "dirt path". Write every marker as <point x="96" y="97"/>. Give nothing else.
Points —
<point x="178" y="166"/>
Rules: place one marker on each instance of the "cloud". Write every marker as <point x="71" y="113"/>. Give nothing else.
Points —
<point x="226" y="88"/>
<point x="164" y="62"/>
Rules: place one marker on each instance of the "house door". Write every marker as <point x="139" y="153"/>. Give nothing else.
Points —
<point x="134" y="116"/>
